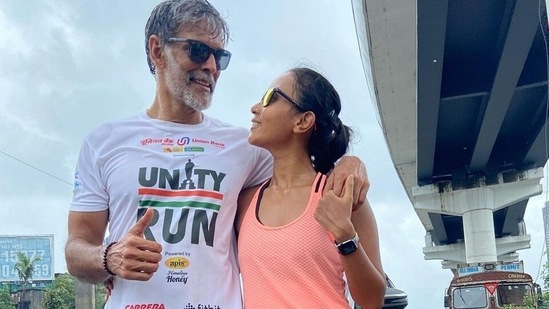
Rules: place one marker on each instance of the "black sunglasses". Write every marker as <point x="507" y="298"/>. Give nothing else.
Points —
<point x="269" y="95"/>
<point x="200" y="52"/>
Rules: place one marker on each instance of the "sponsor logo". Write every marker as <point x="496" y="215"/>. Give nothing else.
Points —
<point x="177" y="277"/>
<point x="178" y="145"/>
<point x="145" y="306"/>
<point x="183" y="141"/>
<point x="201" y="306"/>
<point x="173" y="149"/>
<point x="208" y="142"/>
<point x="151" y="141"/>
<point x="177" y="262"/>
<point x="182" y="149"/>
<point x="161" y="141"/>
<point x="167" y="142"/>
<point x="194" y="149"/>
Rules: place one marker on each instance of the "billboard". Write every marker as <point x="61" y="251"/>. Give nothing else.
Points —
<point x="40" y="246"/>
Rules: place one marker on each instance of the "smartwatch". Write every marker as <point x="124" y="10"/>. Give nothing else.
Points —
<point x="348" y="246"/>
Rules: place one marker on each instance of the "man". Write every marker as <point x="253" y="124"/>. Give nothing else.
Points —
<point x="176" y="168"/>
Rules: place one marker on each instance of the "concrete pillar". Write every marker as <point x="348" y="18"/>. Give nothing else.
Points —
<point x="476" y="206"/>
<point x="85" y="295"/>
<point x="480" y="239"/>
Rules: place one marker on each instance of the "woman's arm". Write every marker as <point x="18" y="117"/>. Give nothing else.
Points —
<point x="362" y="267"/>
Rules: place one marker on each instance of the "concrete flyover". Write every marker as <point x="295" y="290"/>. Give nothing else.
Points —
<point x="461" y="90"/>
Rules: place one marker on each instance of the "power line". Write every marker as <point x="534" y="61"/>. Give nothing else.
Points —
<point x="36" y="168"/>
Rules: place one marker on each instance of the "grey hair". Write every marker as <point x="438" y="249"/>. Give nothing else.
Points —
<point x="170" y="16"/>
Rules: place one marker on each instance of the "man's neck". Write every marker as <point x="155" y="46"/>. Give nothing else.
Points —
<point x="174" y="112"/>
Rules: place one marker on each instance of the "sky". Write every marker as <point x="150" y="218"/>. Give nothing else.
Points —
<point x="69" y="65"/>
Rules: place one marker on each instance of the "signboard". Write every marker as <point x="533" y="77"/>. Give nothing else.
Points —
<point x="469" y="270"/>
<point x="513" y="267"/>
<point x="33" y="246"/>
<point x="475" y="269"/>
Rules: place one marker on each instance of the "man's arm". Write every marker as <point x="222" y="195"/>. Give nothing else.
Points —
<point x="244" y="199"/>
<point x="132" y="258"/>
<point x="349" y="165"/>
<point x="84" y="247"/>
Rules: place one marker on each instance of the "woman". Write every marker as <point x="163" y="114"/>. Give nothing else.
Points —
<point x="296" y="243"/>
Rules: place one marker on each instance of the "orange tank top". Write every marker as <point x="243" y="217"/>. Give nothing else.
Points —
<point x="290" y="266"/>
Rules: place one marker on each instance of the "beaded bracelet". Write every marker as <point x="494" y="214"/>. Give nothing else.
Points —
<point x="105" y="252"/>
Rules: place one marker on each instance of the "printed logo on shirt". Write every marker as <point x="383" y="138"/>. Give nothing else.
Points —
<point x="157" y="141"/>
<point x="201" y="306"/>
<point x="193" y="199"/>
<point x="77" y="183"/>
<point x="208" y="142"/>
<point x="145" y="306"/>
<point x="177" y="262"/>
<point x="182" y="149"/>
<point x="181" y="145"/>
<point x="173" y="149"/>
<point x="188" y="141"/>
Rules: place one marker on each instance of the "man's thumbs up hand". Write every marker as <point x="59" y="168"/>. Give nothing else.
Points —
<point x="134" y="257"/>
<point x="142" y="223"/>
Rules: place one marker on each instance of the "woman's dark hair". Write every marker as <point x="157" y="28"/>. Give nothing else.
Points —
<point x="330" y="138"/>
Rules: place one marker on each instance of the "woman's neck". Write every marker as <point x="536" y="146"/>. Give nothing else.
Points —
<point x="292" y="171"/>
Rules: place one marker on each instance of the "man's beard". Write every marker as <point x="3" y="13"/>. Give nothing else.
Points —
<point x="179" y="84"/>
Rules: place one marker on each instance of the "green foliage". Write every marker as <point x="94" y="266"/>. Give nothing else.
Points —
<point x="61" y="295"/>
<point x="99" y="296"/>
<point x="545" y="297"/>
<point x="5" y="300"/>
<point x="545" y="275"/>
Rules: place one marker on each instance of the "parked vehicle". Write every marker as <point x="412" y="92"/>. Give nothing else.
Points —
<point x="394" y="298"/>
<point x="492" y="286"/>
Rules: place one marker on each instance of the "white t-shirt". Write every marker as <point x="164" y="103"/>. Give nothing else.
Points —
<point x="191" y="176"/>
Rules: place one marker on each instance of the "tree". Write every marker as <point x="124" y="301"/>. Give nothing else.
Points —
<point x="25" y="269"/>
<point x="6" y="302"/>
<point x="61" y="295"/>
<point x="545" y="293"/>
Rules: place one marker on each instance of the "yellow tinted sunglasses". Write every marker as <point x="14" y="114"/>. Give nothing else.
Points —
<point x="269" y="95"/>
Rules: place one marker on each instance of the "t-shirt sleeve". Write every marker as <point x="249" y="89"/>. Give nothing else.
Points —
<point x="262" y="169"/>
<point x="90" y="192"/>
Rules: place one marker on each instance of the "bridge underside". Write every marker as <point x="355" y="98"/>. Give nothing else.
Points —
<point x="461" y="90"/>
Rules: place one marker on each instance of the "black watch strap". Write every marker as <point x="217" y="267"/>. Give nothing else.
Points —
<point x="348" y="246"/>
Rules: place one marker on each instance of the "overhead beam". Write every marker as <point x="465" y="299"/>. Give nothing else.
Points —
<point x="511" y="221"/>
<point x="431" y="33"/>
<point x="515" y="51"/>
<point x="439" y="231"/>
<point x="541" y="140"/>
